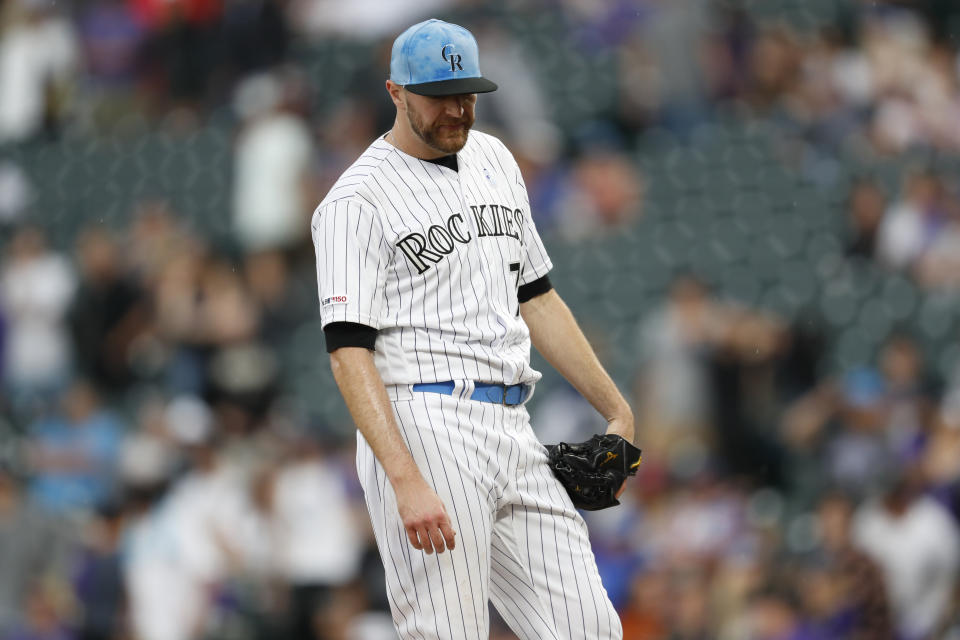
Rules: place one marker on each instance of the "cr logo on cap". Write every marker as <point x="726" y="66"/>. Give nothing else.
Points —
<point x="454" y="58"/>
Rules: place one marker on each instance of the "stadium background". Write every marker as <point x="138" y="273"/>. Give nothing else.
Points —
<point x="752" y="207"/>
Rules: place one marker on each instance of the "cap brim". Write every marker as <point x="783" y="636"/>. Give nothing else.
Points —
<point x="452" y="87"/>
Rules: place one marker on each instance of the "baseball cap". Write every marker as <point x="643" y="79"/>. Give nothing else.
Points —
<point x="437" y="58"/>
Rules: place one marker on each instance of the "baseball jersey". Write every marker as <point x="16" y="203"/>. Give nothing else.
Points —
<point x="432" y="258"/>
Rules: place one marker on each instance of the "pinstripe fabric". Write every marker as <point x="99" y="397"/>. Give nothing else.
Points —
<point x="520" y="542"/>
<point x="457" y="318"/>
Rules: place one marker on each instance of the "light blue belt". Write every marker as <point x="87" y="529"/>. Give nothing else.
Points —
<point x="506" y="394"/>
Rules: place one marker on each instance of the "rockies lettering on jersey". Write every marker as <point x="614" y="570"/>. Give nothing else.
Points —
<point x="432" y="258"/>
<point x="439" y="239"/>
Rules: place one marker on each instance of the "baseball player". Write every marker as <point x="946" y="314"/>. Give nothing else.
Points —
<point x="433" y="284"/>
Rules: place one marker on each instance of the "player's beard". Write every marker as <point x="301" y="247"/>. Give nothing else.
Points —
<point x="435" y="137"/>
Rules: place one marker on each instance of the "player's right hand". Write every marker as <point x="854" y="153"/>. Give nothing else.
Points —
<point x="425" y="518"/>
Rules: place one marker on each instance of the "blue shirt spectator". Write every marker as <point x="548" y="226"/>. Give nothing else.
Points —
<point x="73" y="454"/>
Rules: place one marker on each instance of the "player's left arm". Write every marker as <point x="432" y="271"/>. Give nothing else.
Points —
<point x="555" y="333"/>
<point x="557" y="336"/>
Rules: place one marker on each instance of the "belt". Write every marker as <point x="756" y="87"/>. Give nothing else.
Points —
<point x="505" y="394"/>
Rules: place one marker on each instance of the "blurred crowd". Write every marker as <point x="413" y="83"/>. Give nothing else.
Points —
<point x="161" y="489"/>
<point x="158" y="482"/>
<point x="782" y="503"/>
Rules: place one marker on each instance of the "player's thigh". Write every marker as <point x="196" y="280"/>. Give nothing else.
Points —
<point x="551" y="543"/>
<point x="513" y="590"/>
<point x="439" y="595"/>
<point x="449" y="441"/>
<point x="436" y="596"/>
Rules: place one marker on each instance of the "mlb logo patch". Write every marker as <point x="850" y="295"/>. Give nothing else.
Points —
<point x="332" y="300"/>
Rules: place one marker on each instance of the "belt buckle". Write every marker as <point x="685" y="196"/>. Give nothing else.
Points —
<point x="505" y="388"/>
<point x="503" y="395"/>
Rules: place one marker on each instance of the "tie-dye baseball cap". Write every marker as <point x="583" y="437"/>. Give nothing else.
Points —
<point x="437" y="58"/>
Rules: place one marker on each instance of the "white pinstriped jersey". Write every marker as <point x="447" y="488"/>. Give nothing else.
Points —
<point x="432" y="258"/>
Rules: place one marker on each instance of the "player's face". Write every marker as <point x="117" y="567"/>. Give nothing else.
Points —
<point x="442" y="123"/>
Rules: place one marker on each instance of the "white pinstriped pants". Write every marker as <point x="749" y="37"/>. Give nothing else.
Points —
<point x="520" y="543"/>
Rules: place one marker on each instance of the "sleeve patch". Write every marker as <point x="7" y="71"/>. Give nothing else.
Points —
<point x="334" y="300"/>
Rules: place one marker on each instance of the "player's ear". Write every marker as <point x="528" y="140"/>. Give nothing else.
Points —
<point x="396" y="94"/>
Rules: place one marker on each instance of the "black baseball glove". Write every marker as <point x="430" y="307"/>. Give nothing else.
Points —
<point x="593" y="471"/>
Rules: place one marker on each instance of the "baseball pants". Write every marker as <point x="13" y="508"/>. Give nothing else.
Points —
<point x="520" y="542"/>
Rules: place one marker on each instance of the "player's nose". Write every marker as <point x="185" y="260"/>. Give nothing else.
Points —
<point x="453" y="106"/>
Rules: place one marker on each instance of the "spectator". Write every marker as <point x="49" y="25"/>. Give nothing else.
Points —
<point x="816" y="102"/>
<point x="180" y="52"/>
<point x="673" y="37"/>
<point x="939" y="266"/>
<point x="256" y="34"/>
<point x="864" y="612"/>
<point x="690" y="608"/>
<point x="858" y="450"/>
<point x="916" y="99"/>
<point x="950" y="406"/>
<point x="277" y="291"/>
<point x="38" y="58"/>
<point x="36" y="286"/>
<point x="204" y="313"/>
<point x="313" y="558"/>
<point x="73" y="454"/>
<point x="271" y="161"/>
<point x="774" y="614"/>
<point x="833" y="435"/>
<point x="176" y="555"/>
<point x="154" y="240"/>
<point x="873" y="420"/>
<point x="866" y="205"/>
<point x="599" y="193"/>
<point x="149" y="456"/>
<point x="240" y="369"/>
<point x="108" y="312"/>
<point x="911" y="224"/>
<point x="520" y="106"/>
<point x="693" y="348"/>
<point x="111" y="38"/>
<point x="351" y="127"/>
<point x="644" y="617"/>
<point x="46" y="615"/>
<point x="823" y="598"/>
<point x="98" y="579"/>
<point x="609" y="192"/>
<point x="675" y="339"/>
<point x="33" y="546"/>
<point x="702" y="524"/>
<point x="916" y="544"/>
<point x="942" y="463"/>
<point x="774" y="66"/>
<point x="16" y="193"/>
<point x="910" y="396"/>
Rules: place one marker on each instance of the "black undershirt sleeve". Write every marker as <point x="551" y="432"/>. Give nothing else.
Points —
<point x="533" y="289"/>
<point x="349" y="334"/>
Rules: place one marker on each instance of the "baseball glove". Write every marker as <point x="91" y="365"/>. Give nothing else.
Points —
<point x="593" y="471"/>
